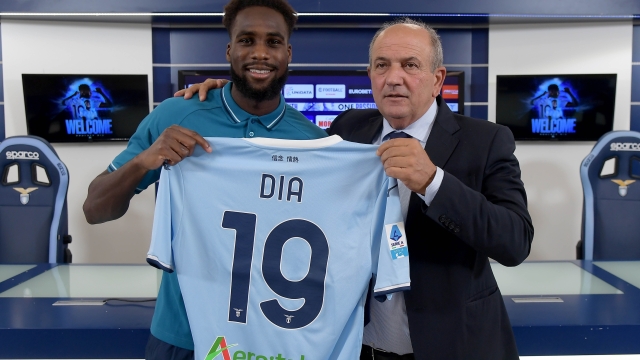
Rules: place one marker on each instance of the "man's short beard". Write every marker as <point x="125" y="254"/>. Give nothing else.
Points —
<point x="258" y="95"/>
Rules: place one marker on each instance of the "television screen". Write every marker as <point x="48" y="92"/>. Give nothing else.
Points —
<point x="323" y="94"/>
<point x="453" y="91"/>
<point x="556" y="107"/>
<point x="82" y="108"/>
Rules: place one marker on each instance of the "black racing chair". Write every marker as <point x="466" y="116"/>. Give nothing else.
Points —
<point x="33" y="202"/>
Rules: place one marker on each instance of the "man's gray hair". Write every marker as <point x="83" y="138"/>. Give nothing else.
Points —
<point x="436" y="45"/>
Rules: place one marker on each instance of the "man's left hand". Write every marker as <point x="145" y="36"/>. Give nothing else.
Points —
<point x="201" y="88"/>
<point x="406" y="160"/>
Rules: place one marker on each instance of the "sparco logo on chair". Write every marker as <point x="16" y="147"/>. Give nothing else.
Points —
<point x="22" y="155"/>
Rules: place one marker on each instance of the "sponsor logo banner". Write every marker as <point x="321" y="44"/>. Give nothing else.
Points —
<point x="360" y="92"/>
<point x="450" y="92"/>
<point x="324" y="121"/>
<point x="298" y="91"/>
<point x="328" y="91"/>
<point x="337" y="106"/>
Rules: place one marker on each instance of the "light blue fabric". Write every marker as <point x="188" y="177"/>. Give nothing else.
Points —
<point x="217" y="116"/>
<point x="274" y="244"/>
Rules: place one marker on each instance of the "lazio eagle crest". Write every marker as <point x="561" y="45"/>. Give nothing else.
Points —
<point x="24" y="194"/>
<point x="623" y="185"/>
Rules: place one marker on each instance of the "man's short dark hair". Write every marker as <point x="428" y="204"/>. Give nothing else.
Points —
<point x="553" y="87"/>
<point x="232" y="9"/>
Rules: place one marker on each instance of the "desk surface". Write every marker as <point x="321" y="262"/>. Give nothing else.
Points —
<point x="32" y="327"/>
<point x="90" y="281"/>
<point x="549" y="278"/>
<point x="628" y="271"/>
<point x="9" y="271"/>
<point x="596" y="309"/>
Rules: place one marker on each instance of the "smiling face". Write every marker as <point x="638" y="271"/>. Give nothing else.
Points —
<point x="402" y="83"/>
<point x="259" y="54"/>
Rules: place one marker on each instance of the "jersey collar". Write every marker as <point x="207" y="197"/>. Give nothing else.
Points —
<point x="238" y="115"/>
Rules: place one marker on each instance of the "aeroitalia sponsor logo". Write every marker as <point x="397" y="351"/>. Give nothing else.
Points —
<point x="219" y="347"/>
<point x="625" y="146"/>
<point x="22" y="155"/>
<point x="220" y="350"/>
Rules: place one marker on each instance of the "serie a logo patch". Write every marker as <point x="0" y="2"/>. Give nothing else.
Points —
<point x="397" y="240"/>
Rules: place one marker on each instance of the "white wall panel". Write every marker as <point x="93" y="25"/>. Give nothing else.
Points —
<point x="550" y="170"/>
<point x="82" y="48"/>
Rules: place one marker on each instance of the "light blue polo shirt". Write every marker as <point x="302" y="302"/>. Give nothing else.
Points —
<point x="218" y="116"/>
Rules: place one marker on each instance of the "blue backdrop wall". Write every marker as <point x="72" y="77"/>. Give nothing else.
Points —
<point x="193" y="46"/>
<point x="186" y="48"/>
<point x="523" y="7"/>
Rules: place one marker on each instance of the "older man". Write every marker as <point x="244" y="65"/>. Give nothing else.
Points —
<point x="463" y="202"/>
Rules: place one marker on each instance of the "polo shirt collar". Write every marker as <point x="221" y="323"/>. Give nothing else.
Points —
<point x="238" y="115"/>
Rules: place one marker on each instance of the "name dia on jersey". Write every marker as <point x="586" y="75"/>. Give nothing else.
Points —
<point x="269" y="182"/>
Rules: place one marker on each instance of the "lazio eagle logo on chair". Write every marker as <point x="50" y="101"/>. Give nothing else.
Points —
<point x="623" y="185"/>
<point x="24" y="194"/>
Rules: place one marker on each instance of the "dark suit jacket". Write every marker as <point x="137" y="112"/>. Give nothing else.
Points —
<point x="454" y="307"/>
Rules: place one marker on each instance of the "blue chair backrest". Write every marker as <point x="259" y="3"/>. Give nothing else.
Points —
<point x="33" y="201"/>
<point x="609" y="174"/>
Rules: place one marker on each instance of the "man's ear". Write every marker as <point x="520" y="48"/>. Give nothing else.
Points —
<point x="228" y="52"/>
<point x="439" y="75"/>
<point x="290" y="53"/>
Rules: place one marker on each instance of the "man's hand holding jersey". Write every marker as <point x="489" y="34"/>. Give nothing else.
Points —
<point x="173" y="145"/>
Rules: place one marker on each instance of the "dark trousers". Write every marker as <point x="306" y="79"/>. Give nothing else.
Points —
<point x="369" y="353"/>
<point x="159" y="350"/>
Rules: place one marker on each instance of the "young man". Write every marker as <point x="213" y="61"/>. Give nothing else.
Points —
<point x="259" y="53"/>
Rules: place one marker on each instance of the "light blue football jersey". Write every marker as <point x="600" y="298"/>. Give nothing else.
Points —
<point x="275" y="242"/>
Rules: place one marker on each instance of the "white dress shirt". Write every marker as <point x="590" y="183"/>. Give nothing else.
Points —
<point x="388" y="329"/>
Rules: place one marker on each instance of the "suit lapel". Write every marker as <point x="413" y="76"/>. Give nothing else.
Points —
<point x="366" y="133"/>
<point x="439" y="147"/>
<point x="441" y="141"/>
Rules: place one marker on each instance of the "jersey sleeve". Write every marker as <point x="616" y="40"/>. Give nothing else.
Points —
<point x="141" y="140"/>
<point x="160" y="253"/>
<point x="391" y="270"/>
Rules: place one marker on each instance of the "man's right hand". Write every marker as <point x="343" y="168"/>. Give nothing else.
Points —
<point x="110" y="192"/>
<point x="201" y="89"/>
<point x="173" y="145"/>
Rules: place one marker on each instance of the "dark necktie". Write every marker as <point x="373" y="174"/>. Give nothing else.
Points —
<point x="398" y="135"/>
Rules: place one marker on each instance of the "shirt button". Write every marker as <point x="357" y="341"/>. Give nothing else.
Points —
<point x="253" y="121"/>
<point x="251" y="133"/>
